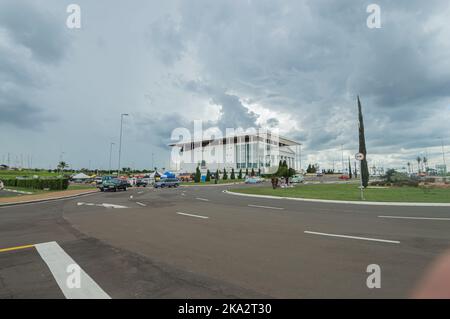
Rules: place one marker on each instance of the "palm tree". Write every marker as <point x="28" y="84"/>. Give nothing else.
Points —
<point x="419" y="160"/>
<point x="409" y="167"/>
<point x="62" y="165"/>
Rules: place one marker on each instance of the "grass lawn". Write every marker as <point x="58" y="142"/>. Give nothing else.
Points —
<point x="220" y="181"/>
<point x="352" y="192"/>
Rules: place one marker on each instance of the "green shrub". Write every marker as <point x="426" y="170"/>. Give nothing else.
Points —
<point x="38" y="183"/>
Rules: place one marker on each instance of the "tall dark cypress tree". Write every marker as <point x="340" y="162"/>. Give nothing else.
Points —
<point x="362" y="148"/>
<point x="350" y="175"/>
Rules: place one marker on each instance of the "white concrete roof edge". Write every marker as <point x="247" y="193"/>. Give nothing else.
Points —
<point x="344" y="202"/>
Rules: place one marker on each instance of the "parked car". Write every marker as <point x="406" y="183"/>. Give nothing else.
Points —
<point x="142" y="182"/>
<point x="297" y="179"/>
<point x="253" y="180"/>
<point x="2" y="186"/>
<point x="98" y="180"/>
<point x="319" y="174"/>
<point x="167" y="182"/>
<point x="113" y="184"/>
<point x="344" y="177"/>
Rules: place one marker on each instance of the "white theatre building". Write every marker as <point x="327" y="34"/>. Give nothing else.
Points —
<point x="258" y="150"/>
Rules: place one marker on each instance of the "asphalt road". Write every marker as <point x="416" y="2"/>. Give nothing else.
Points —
<point x="199" y="242"/>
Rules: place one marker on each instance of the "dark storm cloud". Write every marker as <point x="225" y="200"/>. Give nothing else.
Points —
<point x="19" y="113"/>
<point x="311" y="58"/>
<point x="34" y="29"/>
<point x="165" y="39"/>
<point x="30" y="40"/>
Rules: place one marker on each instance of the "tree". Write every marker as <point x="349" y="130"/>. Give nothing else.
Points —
<point x="246" y="172"/>
<point x="232" y="176"/>
<point x="198" y="175"/>
<point x="225" y="175"/>
<point x="349" y="169"/>
<point x="240" y="174"/>
<point x="252" y="173"/>
<point x="217" y="175"/>
<point x="409" y="167"/>
<point x="259" y="171"/>
<point x="362" y="147"/>
<point x="208" y="176"/>
<point x="291" y="172"/>
<point x="419" y="160"/>
<point x="62" y="165"/>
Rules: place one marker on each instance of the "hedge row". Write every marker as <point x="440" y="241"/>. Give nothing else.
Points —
<point x="38" y="183"/>
<point x="410" y="183"/>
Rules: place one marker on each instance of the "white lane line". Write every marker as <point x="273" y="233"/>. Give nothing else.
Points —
<point x="409" y="217"/>
<point x="140" y="192"/>
<point x="58" y="261"/>
<point x="354" y="237"/>
<point x="203" y="199"/>
<point x="112" y="206"/>
<point x="141" y="204"/>
<point x="192" y="215"/>
<point x="267" y="207"/>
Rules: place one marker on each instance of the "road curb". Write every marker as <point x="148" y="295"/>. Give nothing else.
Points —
<point x="47" y="199"/>
<point x="326" y="201"/>
<point x="227" y="184"/>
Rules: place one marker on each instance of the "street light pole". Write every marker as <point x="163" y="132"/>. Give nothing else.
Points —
<point x="443" y="152"/>
<point x="120" y="143"/>
<point x="110" y="155"/>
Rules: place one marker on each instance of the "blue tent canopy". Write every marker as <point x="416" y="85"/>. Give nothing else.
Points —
<point x="169" y="174"/>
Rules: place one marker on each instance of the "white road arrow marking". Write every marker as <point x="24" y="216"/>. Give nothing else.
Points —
<point x="106" y="205"/>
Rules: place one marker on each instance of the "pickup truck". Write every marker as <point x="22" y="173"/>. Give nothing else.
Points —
<point x="167" y="182"/>
<point x="113" y="184"/>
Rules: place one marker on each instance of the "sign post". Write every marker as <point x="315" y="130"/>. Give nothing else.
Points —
<point x="359" y="157"/>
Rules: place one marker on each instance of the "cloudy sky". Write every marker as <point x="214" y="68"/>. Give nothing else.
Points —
<point x="295" y="65"/>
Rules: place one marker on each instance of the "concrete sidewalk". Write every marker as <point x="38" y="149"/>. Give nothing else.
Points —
<point x="6" y="201"/>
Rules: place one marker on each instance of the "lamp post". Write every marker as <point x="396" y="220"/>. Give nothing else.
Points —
<point x="120" y="143"/>
<point x="110" y="155"/>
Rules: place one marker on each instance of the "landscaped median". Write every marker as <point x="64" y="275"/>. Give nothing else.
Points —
<point x="40" y="195"/>
<point x="211" y="183"/>
<point x="351" y="192"/>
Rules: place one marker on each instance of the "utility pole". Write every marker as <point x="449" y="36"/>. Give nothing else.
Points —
<point x="443" y="152"/>
<point x="120" y="143"/>
<point x="153" y="163"/>
<point x="342" y="153"/>
<point x="110" y="155"/>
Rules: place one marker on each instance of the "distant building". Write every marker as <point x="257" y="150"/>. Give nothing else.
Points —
<point x="4" y="167"/>
<point x="259" y="151"/>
